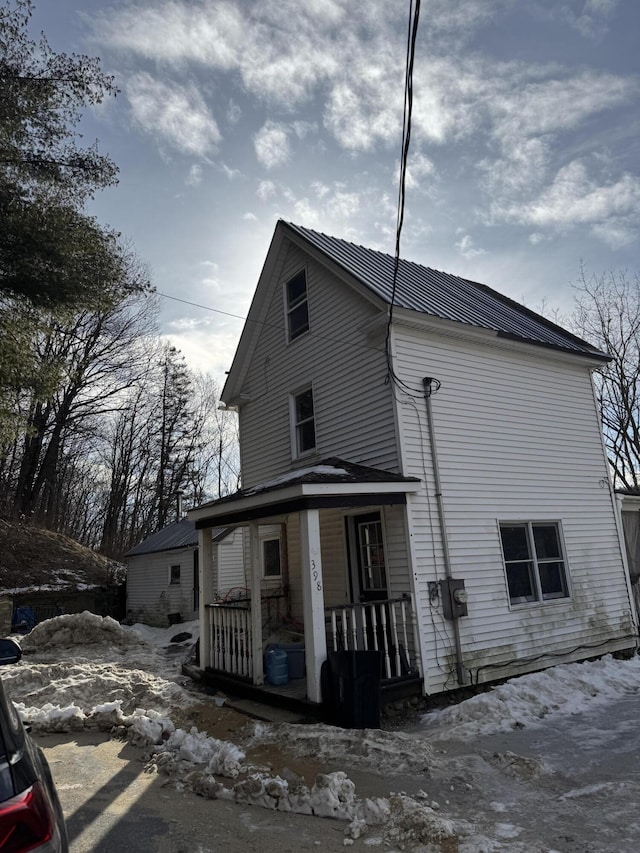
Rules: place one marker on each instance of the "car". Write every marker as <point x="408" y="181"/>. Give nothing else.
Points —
<point x="31" y="817"/>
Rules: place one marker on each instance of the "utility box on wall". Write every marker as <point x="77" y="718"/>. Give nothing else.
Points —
<point x="454" y="598"/>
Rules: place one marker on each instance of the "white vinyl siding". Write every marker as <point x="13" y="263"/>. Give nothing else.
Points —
<point x="229" y="563"/>
<point x="517" y="438"/>
<point x="353" y="406"/>
<point x="150" y="593"/>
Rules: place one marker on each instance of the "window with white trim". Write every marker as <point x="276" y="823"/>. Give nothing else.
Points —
<point x="297" y="305"/>
<point x="534" y="561"/>
<point x="174" y="574"/>
<point x="303" y="422"/>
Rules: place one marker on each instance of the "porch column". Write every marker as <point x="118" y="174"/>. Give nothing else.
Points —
<point x="256" y="603"/>
<point x="315" y="638"/>
<point x="205" y="587"/>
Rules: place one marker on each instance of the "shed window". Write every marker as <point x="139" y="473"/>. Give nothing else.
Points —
<point x="174" y="574"/>
<point x="297" y="305"/>
<point x="534" y="561"/>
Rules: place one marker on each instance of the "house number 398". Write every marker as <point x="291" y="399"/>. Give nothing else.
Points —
<point x="316" y="575"/>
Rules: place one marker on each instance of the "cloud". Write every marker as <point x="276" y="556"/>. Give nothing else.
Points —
<point x="271" y="144"/>
<point x="613" y="209"/>
<point x="195" y="176"/>
<point x="467" y="248"/>
<point x="266" y="190"/>
<point x="592" y="21"/>
<point x="210" y="33"/>
<point x="172" y="113"/>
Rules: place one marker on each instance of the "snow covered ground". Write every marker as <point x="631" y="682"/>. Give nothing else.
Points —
<point x="455" y="780"/>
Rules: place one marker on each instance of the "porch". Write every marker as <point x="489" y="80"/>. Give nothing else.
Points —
<point x="385" y="626"/>
<point x="327" y="570"/>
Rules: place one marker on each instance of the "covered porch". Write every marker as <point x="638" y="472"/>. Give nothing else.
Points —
<point x="326" y="570"/>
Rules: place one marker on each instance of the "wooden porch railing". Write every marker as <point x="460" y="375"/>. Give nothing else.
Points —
<point x="385" y="626"/>
<point x="230" y="644"/>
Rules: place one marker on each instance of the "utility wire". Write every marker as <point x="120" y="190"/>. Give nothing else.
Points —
<point x="278" y="326"/>
<point x="412" y="34"/>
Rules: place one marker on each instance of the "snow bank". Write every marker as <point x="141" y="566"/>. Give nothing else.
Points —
<point x="528" y="699"/>
<point x="78" y="630"/>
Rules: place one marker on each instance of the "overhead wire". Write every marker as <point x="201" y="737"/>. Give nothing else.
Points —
<point x="412" y="35"/>
<point x="279" y="326"/>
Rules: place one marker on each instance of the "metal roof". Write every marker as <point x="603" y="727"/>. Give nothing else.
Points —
<point x="443" y="295"/>
<point x="179" y="534"/>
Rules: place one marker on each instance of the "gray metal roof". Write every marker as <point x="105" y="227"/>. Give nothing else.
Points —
<point x="443" y="295"/>
<point x="179" y="534"/>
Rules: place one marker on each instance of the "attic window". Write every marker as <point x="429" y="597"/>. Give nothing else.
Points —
<point x="297" y="306"/>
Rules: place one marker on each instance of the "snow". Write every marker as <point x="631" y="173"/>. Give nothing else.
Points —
<point x="85" y="671"/>
<point x="325" y="470"/>
<point x="529" y="699"/>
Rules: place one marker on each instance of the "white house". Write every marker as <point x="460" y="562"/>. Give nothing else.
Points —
<point x="163" y="572"/>
<point x="426" y="458"/>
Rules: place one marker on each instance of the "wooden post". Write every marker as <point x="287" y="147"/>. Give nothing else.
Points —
<point x="205" y="584"/>
<point x="315" y="638"/>
<point x="256" y="603"/>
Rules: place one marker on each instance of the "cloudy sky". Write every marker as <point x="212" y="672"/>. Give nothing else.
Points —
<point x="233" y="113"/>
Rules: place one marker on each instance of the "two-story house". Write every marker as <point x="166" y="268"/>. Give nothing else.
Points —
<point x="423" y="474"/>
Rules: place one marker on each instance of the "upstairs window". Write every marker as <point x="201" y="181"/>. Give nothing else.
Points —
<point x="534" y="561"/>
<point x="303" y="422"/>
<point x="297" y="306"/>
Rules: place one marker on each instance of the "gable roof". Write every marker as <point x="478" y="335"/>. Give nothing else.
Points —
<point x="442" y="295"/>
<point x="178" y="534"/>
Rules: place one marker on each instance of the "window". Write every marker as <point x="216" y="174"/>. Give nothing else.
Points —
<point x="174" y="574"/>
<point x="271" y="558"/>
<point x="297" y="306"/>
<point x="304" y="428"/>
<point x="534" y="561"/>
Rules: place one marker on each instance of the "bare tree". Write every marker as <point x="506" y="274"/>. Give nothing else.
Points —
<point x="607" y="314"/>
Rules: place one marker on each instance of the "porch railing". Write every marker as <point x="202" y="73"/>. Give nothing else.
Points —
<point x="385" y="626"/>
<point x="230" y="645"/>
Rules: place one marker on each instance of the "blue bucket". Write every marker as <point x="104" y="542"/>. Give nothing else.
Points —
<point x="277" y="667"/>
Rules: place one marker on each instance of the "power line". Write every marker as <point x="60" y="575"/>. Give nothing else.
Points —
<point x="278" y="326"/>
<point x="412" y="34"/>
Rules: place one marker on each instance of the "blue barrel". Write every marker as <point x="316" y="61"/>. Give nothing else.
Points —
<point x="277" y="667"/>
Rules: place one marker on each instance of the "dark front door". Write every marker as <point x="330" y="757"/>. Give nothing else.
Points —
<point x="370" y="557"/>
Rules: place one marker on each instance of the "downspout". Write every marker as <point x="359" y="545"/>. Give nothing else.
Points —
<point x="427" y="384"/>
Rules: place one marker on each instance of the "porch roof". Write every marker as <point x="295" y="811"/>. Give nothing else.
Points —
<point x="329" y="483"/>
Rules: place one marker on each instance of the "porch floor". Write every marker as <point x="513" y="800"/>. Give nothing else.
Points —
<point x="293" y="695"/>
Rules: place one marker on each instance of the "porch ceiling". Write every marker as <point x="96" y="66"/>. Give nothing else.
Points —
<point x="330" y="483"/>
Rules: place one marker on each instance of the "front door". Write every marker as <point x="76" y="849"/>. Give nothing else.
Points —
<point x="370" y="557"/>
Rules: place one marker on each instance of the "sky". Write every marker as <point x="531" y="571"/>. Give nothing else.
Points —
<point x="83" y="672"/>
<point x="524" y="159"/>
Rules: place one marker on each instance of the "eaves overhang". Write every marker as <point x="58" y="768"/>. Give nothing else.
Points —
<point x="300" y="497"/>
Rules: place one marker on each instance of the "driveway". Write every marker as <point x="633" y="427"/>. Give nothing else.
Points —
<point x="112" y="804"/>
<point x="570" y="785"/>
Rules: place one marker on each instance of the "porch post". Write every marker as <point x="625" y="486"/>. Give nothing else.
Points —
<point x="315" y="638"/>
<point x="205" y="585"/>
<point x="256" y="603"/>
